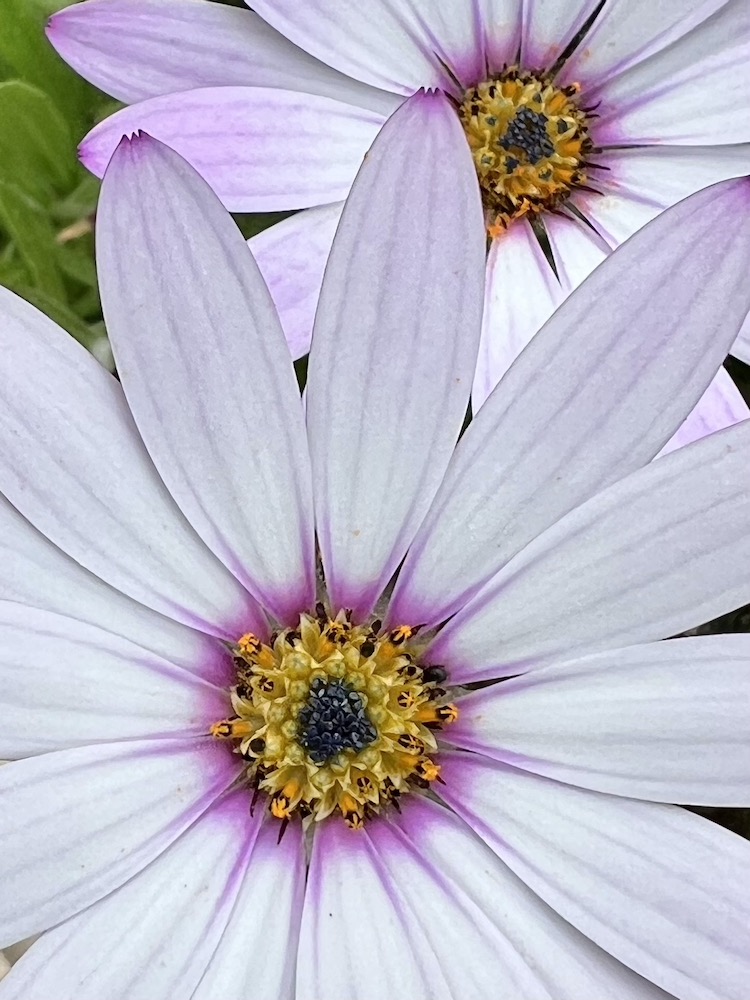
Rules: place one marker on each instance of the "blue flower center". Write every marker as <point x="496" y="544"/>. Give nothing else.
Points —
<point x="334" y="719"/>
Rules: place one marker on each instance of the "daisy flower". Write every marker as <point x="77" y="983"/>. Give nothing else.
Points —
<point x="585" y="118"/>
<point x="211" y="739"/>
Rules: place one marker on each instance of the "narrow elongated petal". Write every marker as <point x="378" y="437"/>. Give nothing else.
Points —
<point x="66" y="684"/>
<point x="77" y="824"/>
<point x="399" y="45"/>
<point x="548" y="26"/>
<point x="34" y="572"/>
<point x="576" y="249"/>
<point x="155" y="936"/>
<point x="655" y="100"/>
<point x="207" y="374"/>
<point x="292" y="256"/>
<point x="261" y="962"/>
<point x="741" y="347"/>
<point x="72" y="462"/>
<point x="500" y="28"/>
<point x="720" y="406"/>
<point x="644" y="559"/>
<point x="136" y="49"/>
<point x="520" y="295"/>
<point x="662" y="890"/>
<point x="628" y="367"/>
<point x="665" y="721"/>
<point x="260" y="149"/>
<point x="625" y="34"/>
<point x="394" y="346"/>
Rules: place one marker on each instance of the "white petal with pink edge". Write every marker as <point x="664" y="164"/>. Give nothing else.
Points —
<point x="156" y="935"/>
<point x="627" y="367"/>
<point x="665" y="721"/>
<point x="260" y="149"/>
<point x="260" y="961"/>
<point x="385" y="401"/>
<point x="136" y="49"/>
<point x="660" y="889"/>
<point x="642" y="560"/>
<point x="77" y="824"/>
<point x="292" y="257"/>
<point x="72" y="462"/>
<point x="206" y="371"/>
<point x="66" y="684"/>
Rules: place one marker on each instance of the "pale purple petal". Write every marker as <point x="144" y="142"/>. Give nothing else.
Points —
<point x="596" y="394"/>
<point x="741" y="347"/>
<point x="36" y="573"/>
<point x="66" y="684"/>
<point x="624" y="34"/>
<point x="641" y="182"/>
<point x="548" y="27"/>
<point x="500" y="31"/>
<point x="399" y="45"/>
<point x="260" y="149"/>
<point x="487" y="929"/>
<point x="292" y="256"/>
<point x="394" y="346"/>
<point x="77" y="824"/>
<point x="662" y="890"/>
<point x="206" y="371"/>
<point x="520" y="295"/>
<point x="356" y="931"/>
<point x="136" y="49"/>
<point x="256" y="956"/>
<point x="72" y="462"/>
<point x="663" y="550"/>
<point x="665" y="721"/>
<point x="156" y="935"/>
<point x="720" y="406"/>
<point x="695" y="91"/>
<point x="576" y="249"/>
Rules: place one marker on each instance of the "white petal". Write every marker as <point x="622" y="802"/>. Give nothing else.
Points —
<point x="292" y="256"/>
<point x="665" y="721"/>
<point x="77" y="824"/>
<point x="65" y="684"/>
<point x="207" y="374"/>
<point x="596" y="394"/>
<point x="659" y="552"/>
<point x="500" y="22"/>
<point x="721" y="405"/>
<point x="695" y="91"/>
<point x="741" y="347"/>
<point x="662" y="890"/>
<point x="400" y="45"/>
<point x="71" y="461"/>
<point x="136" y="49"/>
<point x="489" y="933"/>
<point x="576" y="249"/>
<point x="35" y="572"/>
<point x="548" y="26"/>
<point x="156" y="935"/>
<point x="624" y="34"/>
<point x="394" y="346"/>
<point x="520" y="295"/>
<point x="256" y="956"/>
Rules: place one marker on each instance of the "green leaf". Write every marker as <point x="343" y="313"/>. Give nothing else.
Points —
<point x="56" y="310"/>
<point x="80" y="203"/>
<point x="31" y="231"/>
<point x="37" y="150"/>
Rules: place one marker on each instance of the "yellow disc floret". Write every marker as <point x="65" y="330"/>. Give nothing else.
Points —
<point x="529" y="140"/>
<point x="335" y="717"/>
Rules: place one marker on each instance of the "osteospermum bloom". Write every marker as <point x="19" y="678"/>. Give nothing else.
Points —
<point x="168" y="829"/>
<point x="585" y="118"/>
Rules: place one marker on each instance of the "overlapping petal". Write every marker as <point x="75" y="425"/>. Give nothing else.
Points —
<point x="720" y="406"/>
<point x="66" y="684"/>
<point x="154" y="936"/>
<point x="665" y="721"/>
<point x="77" y="824"/>
<point x="232" y="136"/>
<point x="136" y="49"/>
<point x="644" y="559"/>
<point x="596" y="394"/>
<point x="548" y="27"/>
<point x="292" y="256"/>
<point x="207" y="375"/>
<point x="72" y="462"/>
<point x="660" y="889"/>
<point x="394" y="346"/>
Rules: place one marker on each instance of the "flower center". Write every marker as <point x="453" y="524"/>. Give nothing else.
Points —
<point x="529" y="140"/>
<point x="335" y="717"/>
